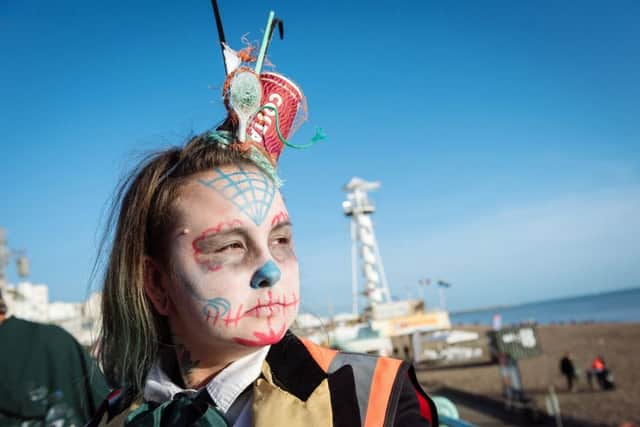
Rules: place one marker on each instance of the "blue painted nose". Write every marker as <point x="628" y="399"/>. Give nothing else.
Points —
<point x="266" y="276"/>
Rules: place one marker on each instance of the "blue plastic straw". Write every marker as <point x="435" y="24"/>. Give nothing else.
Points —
<point x="265" y="42"/>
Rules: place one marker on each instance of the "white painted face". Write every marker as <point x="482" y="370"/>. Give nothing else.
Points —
<point x="236" y="279"/>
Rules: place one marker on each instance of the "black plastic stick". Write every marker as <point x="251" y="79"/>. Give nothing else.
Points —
<point x="216" y="13"/>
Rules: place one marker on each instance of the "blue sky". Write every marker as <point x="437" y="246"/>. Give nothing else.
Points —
<point x="505" y="134"/>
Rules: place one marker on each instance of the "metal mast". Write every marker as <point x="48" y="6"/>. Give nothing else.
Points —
<point x="359" y="208"/>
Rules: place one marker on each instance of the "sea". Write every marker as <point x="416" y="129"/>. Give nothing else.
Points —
<point x="614" y="306"/>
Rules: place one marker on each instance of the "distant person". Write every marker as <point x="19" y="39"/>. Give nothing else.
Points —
<point x="46" y="377"/>
<point x="601" y="372"/>
<point x="568" y="369"/>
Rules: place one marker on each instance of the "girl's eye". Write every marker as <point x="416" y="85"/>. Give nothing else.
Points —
<point x="279" y="241"/>
<point x="231" y="247"/>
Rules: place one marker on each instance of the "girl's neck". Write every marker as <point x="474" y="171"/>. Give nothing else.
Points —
<point x="196" y="371"/>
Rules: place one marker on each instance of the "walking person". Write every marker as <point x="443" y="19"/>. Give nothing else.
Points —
<point x="568" y="369"/>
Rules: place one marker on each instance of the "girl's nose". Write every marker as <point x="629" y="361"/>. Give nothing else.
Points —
<point x="266" y="276"/>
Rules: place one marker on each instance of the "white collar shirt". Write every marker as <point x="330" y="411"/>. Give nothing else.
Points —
<point x="224" y="389"/>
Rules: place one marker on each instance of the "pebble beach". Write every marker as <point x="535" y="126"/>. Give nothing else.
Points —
<point x="618" y="343"/>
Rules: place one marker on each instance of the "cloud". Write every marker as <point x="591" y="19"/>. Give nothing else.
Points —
<point x="571" y="245"/>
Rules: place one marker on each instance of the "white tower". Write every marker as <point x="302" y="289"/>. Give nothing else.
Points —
<point x="359" y="208"/>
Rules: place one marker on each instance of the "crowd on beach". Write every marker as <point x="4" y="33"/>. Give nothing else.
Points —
<point x="598" y="370"/>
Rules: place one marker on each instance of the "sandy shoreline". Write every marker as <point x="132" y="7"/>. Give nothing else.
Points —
<point x="619" y="343"/>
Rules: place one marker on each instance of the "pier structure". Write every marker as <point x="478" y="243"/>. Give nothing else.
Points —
<point x="364" y="247"/>
<point x="22" y="263"/>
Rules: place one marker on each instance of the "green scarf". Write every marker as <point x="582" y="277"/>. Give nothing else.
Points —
<point x="182" y="410"/>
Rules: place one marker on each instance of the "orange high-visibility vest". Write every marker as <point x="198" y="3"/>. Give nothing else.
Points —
<point x="375" y="381"/>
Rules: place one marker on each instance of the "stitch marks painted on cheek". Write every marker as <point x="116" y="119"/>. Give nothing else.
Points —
<point x="214" y="309"/>
<point x="272" y="306"/>
<point x="202" y="246"/>
<point x="218" y="311"/>
<point x="235" y="319"/>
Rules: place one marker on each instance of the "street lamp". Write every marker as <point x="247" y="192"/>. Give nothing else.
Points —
<point x="423" y="283"/>
<point x="442" y="285"/>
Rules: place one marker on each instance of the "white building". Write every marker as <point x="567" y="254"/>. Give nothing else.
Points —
<point x="60" y="311"/>
<point x="28" y="301"/>
<point x="31" y="302"/>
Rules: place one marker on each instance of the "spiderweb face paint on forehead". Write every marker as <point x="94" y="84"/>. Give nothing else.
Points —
<point x="252" y="192"/>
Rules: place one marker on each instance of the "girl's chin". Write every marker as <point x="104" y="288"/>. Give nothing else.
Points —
<point x="263" y="333"/>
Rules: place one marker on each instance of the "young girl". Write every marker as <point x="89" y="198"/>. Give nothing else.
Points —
<point x="202" y="285"/>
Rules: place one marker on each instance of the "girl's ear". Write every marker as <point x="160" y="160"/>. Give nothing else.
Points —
<point x="155" y="286"/>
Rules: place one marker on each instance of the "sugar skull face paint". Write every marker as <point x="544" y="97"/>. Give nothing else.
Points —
<point x="266" y="276"/>
<point x="205" y="246"/>
<point x="235" y="280"/>
<point x="250" y="190"/>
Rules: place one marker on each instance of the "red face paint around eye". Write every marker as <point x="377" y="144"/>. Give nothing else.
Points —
<point x="280" y="217"/>
<point x="202" y="253"/>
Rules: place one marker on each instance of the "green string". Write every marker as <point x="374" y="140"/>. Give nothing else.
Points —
<point x="223" y="137"/>
<point x="319" y="135"/>
<point x="263" y="163"/>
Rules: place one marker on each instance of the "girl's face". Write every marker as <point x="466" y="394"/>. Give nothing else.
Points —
<point x="235" y="279"/>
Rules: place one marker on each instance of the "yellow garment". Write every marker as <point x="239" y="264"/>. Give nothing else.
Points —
<point x="273" y="406"/>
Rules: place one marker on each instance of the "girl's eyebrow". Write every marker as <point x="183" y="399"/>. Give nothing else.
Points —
<point x="280" y="217"/>
<point x="282" y="224"/>
<point x="221" y="228"/>
<point x="206" y="241"/>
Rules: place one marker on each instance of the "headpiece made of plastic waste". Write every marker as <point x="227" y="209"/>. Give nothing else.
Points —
<point x="264" y="108"/>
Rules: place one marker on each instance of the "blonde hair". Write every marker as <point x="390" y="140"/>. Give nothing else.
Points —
<point x="141" y="214"/>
